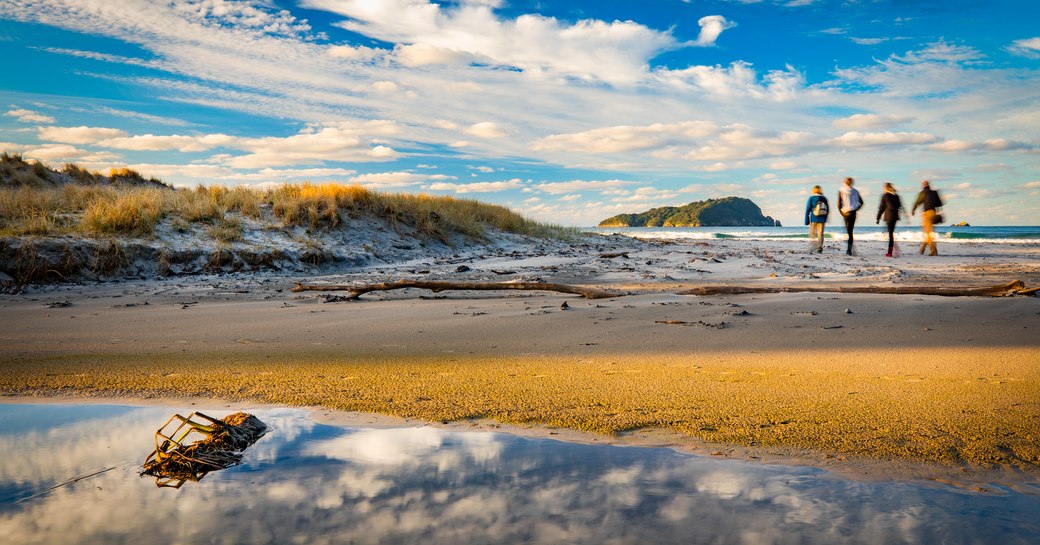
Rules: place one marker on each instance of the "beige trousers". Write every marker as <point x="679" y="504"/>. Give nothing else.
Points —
<point x="816" y="237"/>
<point x="927" y="225"/>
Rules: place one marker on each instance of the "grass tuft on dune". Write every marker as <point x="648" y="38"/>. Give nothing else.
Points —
<point x="35" y="200"/>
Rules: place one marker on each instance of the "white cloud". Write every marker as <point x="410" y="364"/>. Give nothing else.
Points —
<point x="199" y="172"/>
<point x="78" y="135"/>
<point x="486" y="129"/>
<point x="138" y="116"/>
<point x="857" y="139"/>
<point x="869" y="121"/>
<point x="476" y="187"/>
<point x="711" y="27"/>
<point x="1029" y="47"/>
<point x="953" y="146"/>
<point x="390" y="179"/>
<point x="627" y="138"/>
<point x="414" y="55"/>
<point x="52" y="152"/>
<point x="615" y="52"/>
<point x="561" y="188"/>
<point x="65" y="152"/>
<point x="354" y="53"/>
<point x="869" y="41"/>
<point x="384" y="86"/>
<point x="151" y="142"/>
<point x="29" y="116"/>
<point x="941" y="51"/>
<point x="346" y="141"/>
<point x="738" y="79"/>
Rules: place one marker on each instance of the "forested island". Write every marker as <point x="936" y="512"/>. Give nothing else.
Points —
<point x="725" y="212"/>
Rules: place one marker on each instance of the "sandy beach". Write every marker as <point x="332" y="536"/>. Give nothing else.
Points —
<point x="906" y="385"/>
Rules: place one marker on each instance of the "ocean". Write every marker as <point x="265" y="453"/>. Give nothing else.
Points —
<point x="945" y="233"/>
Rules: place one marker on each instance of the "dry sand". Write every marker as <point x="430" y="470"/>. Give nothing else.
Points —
<point x="947" y="388"/>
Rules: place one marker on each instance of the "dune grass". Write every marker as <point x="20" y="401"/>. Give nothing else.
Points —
<point x="124" y="203"/>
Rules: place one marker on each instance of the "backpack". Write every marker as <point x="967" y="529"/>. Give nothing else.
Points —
<point x="820" y="210"/>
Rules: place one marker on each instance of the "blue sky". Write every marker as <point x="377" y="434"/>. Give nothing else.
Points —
<point x="569" y="112"/>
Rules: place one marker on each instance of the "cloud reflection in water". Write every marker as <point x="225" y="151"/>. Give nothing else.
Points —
<point x="311" y="483"/>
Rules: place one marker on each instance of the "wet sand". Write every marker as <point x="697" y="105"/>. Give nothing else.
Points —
<point x="918" y="385"/>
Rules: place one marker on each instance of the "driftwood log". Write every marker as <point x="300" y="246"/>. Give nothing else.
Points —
<point x="1016" y="287"/>
<point x="436" y="287"/>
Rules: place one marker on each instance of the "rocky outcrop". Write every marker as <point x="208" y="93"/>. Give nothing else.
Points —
<point x="725" y="212"/>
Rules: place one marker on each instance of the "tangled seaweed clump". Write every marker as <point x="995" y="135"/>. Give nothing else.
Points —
<point x="198" y="445"/>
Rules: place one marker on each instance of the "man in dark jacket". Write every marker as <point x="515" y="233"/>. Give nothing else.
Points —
<point x="929" y="201"/>
<point x="889" y="209"/>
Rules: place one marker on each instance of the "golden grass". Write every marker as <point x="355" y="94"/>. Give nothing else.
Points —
<point x="891" y="409"/>
<point x="134" y="213"/>
<point x="107" y="210"/>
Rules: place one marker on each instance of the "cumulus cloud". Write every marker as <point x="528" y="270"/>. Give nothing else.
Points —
<point x="65" y="152"/>
<point x="384" y="86"/>
<point x="869" y="121"/>
<point x="345" y="141"/>
<point x="724" y="147"/>
<point x="52" y="152"/>
<point x="200" y="172"/>
<point x="29" y="116"/>
<point x="736" y="80"/>
<point x="857" y="139"/>
<point x="78" y="135"/>
<point x="993" y="144"/>
<point x="711" y="27"/>
<point x="390" y="179"/>
<point x="354" y="53"/>
<point x="486" y="129"/>
<point x="424" y="54"/>
<point x="615" y="52"/>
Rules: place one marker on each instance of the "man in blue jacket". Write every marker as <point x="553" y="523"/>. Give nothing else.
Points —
<point x="816" y="211"/>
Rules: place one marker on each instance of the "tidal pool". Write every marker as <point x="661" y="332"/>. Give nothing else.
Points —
<point x="70" y="474"/>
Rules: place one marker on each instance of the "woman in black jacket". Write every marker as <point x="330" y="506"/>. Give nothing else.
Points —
<point x="889" y="208"/>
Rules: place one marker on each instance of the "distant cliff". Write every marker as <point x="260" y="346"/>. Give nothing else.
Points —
<point x="725" y="212"/>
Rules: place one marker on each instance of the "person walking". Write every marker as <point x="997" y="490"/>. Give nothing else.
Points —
<point x="816" y="211"/>
<point x="849" y="202"/>
<point x="929" y="201"/>
<point x="889" y="209"/>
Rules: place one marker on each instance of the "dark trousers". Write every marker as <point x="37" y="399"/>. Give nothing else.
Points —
<point x="850" y="224"/>
<point x="891" y="234"/>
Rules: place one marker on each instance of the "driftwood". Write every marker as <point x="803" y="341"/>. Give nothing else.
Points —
<point x="1016" y="287"/>
<point x="436" y="287"/>
<point x="189" y="448"/>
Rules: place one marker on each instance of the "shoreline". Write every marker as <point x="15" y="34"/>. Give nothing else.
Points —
<point x="880" y="384"/>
